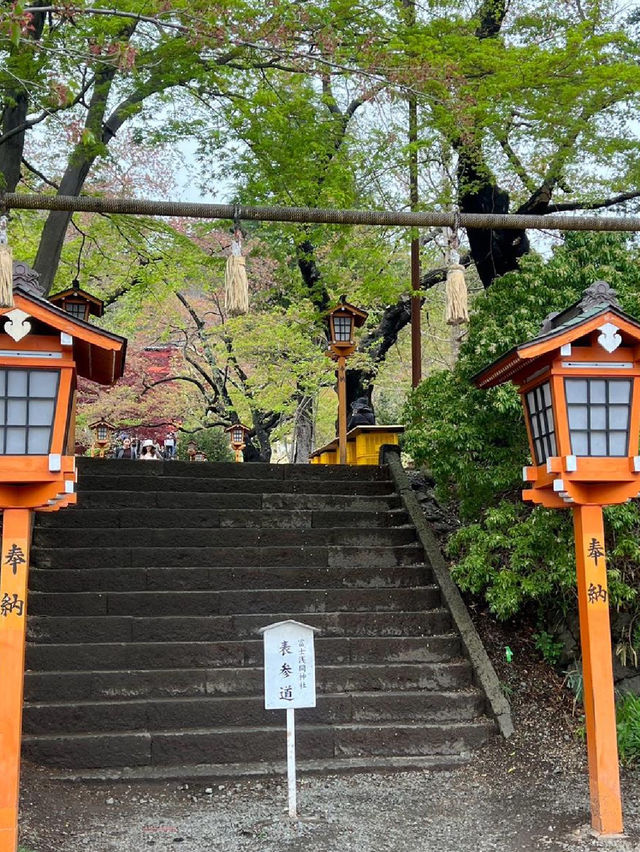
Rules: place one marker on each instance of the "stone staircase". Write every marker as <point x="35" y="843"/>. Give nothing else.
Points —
<point x="144" y="608"/>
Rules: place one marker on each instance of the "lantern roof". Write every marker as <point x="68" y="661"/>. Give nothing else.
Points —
<point x="96" y="306"/>
<point x="237" y="426"/>
<point x="101" y="422"/>
<point x="359" y="316"/>
<point x="99" y="354"/>
<point x="598" y="306"/>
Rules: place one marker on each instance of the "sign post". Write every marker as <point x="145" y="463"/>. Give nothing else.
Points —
<point x="289" y="682"/>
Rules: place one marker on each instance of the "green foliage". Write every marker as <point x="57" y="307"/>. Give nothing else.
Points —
<point x="516" y="557"/>
<point x="475" y="442"/>
<point x="549" y="647"/>
<point x="628" y="724"/>
<point x="213" y="442"/>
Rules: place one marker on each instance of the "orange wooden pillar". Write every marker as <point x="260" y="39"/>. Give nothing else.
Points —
<point x="597" y="671"/>
<point x="16" y="540"/>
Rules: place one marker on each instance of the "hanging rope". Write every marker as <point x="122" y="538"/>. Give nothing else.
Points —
<point x="6" y="262"/>
<point x="236" y="284"/>
<point x="506" y="221"/>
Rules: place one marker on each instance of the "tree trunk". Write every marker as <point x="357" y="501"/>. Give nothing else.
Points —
<point x="15" y="111"/>
<point x="304" y="430"/>
<point x="494" y="252"/>
<point x="55" y="228"/>
<point x="11" y="150"/>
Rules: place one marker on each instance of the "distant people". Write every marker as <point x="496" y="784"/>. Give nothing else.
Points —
<point x="169" y="446"/>
<point x="361" y="413"/>
<point x="126" y="451"/>
<point x="149" y="452"/>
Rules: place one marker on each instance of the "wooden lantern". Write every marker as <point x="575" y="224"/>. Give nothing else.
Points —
<point x="103" y="431"/>
<point x="43" y="348"/>
<point x="238" y="438"/>
<point x="579" y="381"/>
<point x="343" y="320"/>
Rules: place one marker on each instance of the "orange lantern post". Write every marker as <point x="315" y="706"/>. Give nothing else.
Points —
<point x="42" y="349"/>
<point x="238" y="438"/>
<point x="579" y="381"/>
<point x="343" y="320"/>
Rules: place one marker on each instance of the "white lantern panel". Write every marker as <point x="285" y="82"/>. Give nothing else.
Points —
<point x="540" y="411"/>
<point x="16" y="439"/>
<point x="619" y="444"/>
<point x="598" y="417"/>
<point x="599" y="444"/>
<point x="27" y="410"/>
<point x="41" y="412"/>
<point x="619" y="391"/>
<point x="17" y="412"/>
<point x="619" y="417"/>
<point x="598" y="411"/>
<point x="17" y="382"/>
<point x="575" y="390"/>
<point x="43" y="383"/>
<point x="580" y="443"/>
<point x="578" y="416"/>
<point x="38" y="441"/>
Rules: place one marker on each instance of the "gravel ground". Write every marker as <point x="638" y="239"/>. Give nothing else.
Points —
<point x="527" y="793"/>
<point x="489" y="805"/>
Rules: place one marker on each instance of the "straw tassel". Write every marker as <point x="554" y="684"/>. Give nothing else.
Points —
<point x="457" y="311"/>
<point x="6" y="267"/>
<point x="236" y="284"/>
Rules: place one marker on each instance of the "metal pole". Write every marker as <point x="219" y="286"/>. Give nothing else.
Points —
<point x="16" y="536"/>
<point x="597" y="671"/>
<point x="342" y="410"/>
<point x="291" y="762"/>
<point x="423" y="219"/>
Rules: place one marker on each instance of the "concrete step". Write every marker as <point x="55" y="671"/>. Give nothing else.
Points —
<point x="166" y="579"/>
<point x="195" y="557"/>
<point x="232" y="602"/>
<point x="128" y="499"/>
<point x="124" y="685"/>
<point x="78" y="517"/>
<point x="233" y="745"/>
<point x="217" y="537"/>
<point x="215" y="485"/>
<point x="201" y="712"/>
<point x="158" y="655"/>
<point x="73" y="629"/>
<point x="226" y="470"/>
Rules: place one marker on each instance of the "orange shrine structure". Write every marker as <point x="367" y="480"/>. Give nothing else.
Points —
<point x="42" y="350"/>
<point x="579" y="381"/>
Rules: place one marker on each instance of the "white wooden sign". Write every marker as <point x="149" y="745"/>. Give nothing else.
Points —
<point x="289" y="665"/>
<point x="289" y="682"/>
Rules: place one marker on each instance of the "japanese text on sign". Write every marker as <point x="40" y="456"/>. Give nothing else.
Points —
<point x="14" y="557"/>
<point x="596" y="550"/>
<point x="289" y="666"/>
<point x="9" y="604"/>
<point x="596" y="593"/>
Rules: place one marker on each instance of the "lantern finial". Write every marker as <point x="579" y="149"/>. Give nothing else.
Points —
<point x="598" y="294"/>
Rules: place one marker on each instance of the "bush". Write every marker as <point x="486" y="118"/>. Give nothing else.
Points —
<point x="213" y="442"/>
<point x="628" y="724"/>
